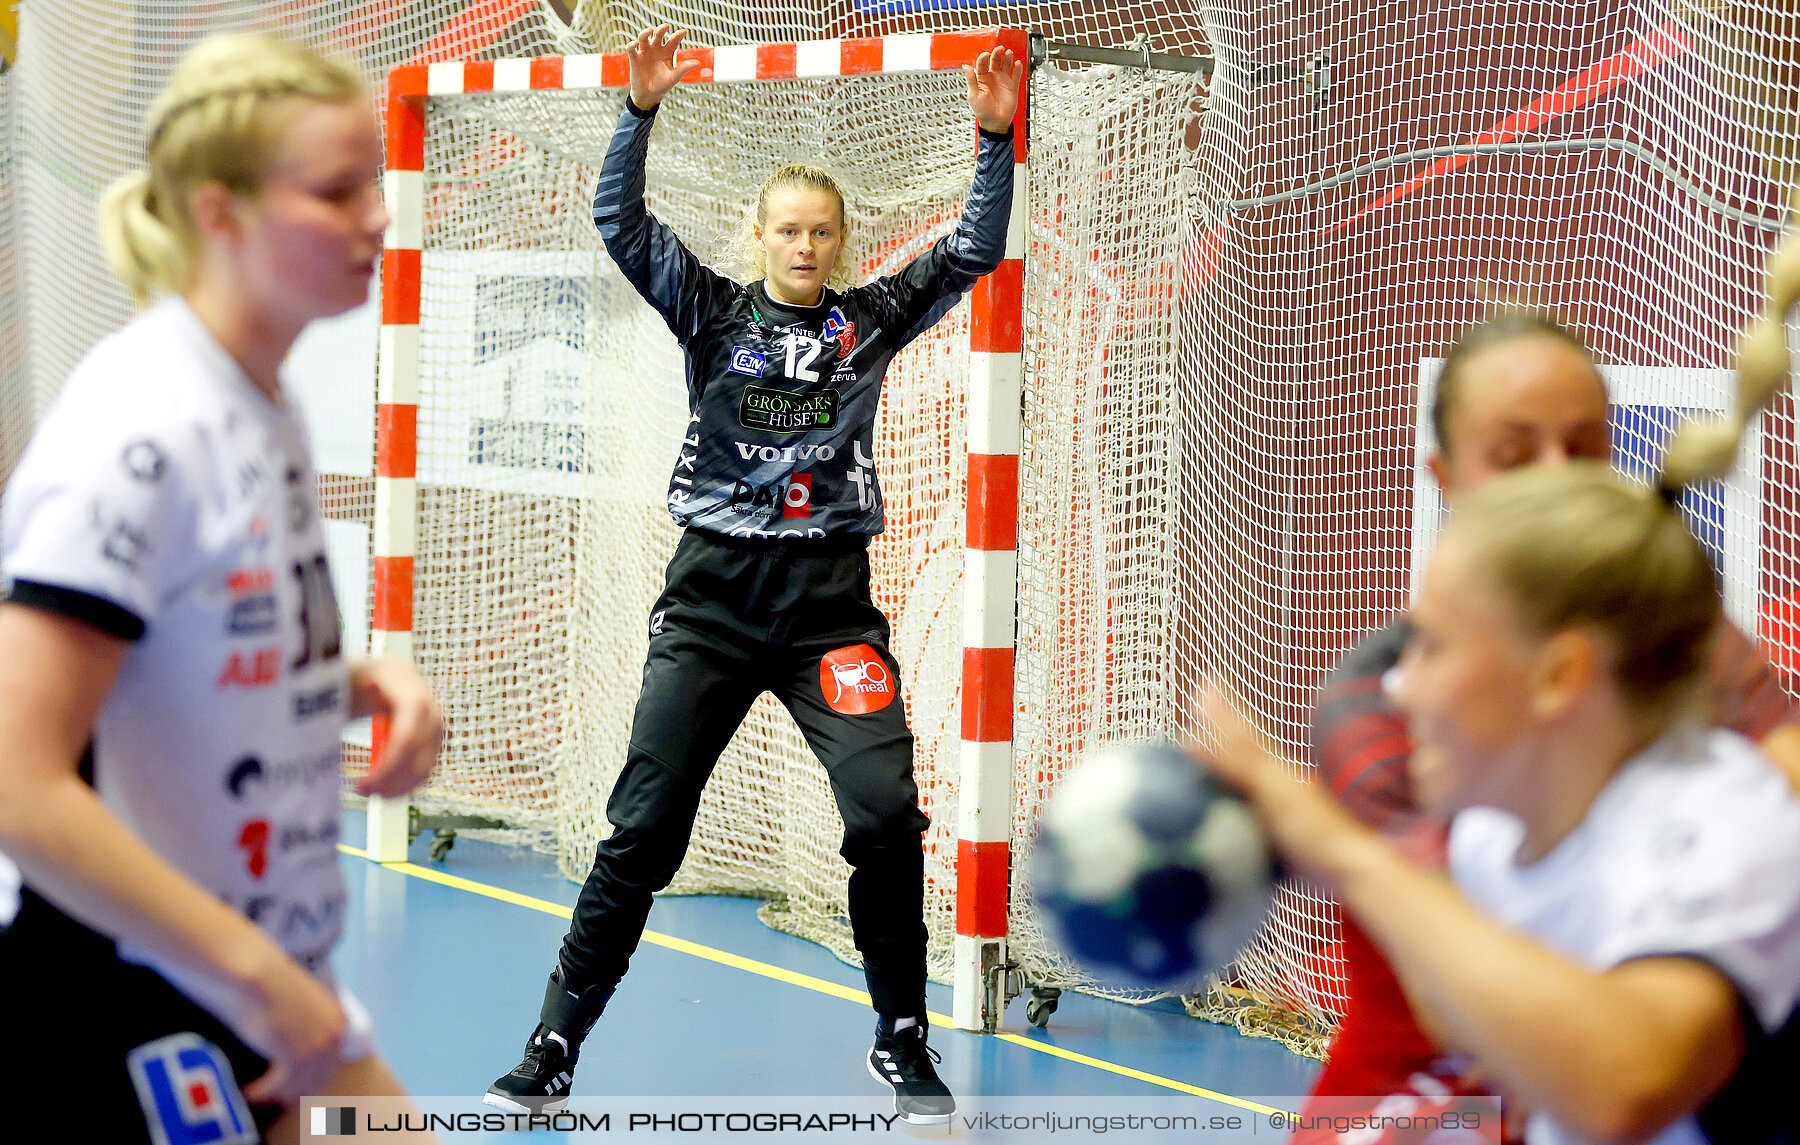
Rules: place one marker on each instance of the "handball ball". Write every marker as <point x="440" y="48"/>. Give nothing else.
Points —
<point x="1146" y="872"/>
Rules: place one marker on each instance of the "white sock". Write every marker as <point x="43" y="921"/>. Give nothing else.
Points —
<point x="904" y="1024"/>
<point x="558" y="1039"/>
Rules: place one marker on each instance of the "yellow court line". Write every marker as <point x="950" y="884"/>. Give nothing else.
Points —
<point x="805" y="981"/>
<point x="669" y="941"/>
<point x="1127" y="1071"/>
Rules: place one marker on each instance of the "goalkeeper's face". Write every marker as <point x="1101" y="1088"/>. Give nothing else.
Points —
<point x="800" y="242"/>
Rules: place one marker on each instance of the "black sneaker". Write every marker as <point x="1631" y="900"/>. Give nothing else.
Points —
<point x="904" y="1063"/>
<point x="538" y="1084"/>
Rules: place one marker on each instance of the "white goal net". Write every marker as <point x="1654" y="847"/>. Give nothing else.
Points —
<point x="552" y="406"/>
<point x="1236" y="293"/>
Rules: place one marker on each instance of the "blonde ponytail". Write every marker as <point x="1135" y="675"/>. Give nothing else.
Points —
<point x="145" y="253"/>
<point x="1706" y="448"/>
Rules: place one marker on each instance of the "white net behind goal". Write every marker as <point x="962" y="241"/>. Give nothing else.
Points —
<point x="1234" y="309"/>
<point x="1373" y="180"/>
<point x="1255" y="505"/>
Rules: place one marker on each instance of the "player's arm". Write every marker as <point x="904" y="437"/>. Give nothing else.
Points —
<point x="648" y="253"/>
<point x="1360" y="749"/>
<point x="55" y="675"/>
<point x="1614" y="1055"/>
<point x="926" y="289"/>
<point x="394" y="690"/>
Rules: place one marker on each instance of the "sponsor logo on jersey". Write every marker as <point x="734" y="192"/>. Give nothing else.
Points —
<point x="778" y="411"/>
<point x="241" y="773"/>
<point x="298" y="836"/>
<point x="255" y="669"/>
<point x="188" y="1093"/>
<point x="253" y="840"/>
<point x="257" y="537"/>
<point x="744" y="360"/>
<point x="309" y="704"/>
<point x="252" y="616"/>
<point x="300" y="919"/>
<point x="245" y="582"/>
<point x="289" y="922"/>
<point x="250" y="477"/>
<point x="656" y="621"/>
<point x="291" y="773"/>
<point x="840" y="330"/>
<point x="793" y="495"/>
<point x="689" y="460"/>
<point x="789" y="454"/>
<point x="863" y="475"/>
<point x="811" y="533"/>
<point x="145" y="461"/>
<point x="125" y="547"/>
<point x="856" y="680"/>
<point x="796" y="501"/>
<point x="253" y="610"/>
<point x="121" y="543"/>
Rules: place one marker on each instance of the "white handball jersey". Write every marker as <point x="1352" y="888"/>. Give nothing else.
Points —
<point x="1691" y="850"/>
<point x="166" y="500"/>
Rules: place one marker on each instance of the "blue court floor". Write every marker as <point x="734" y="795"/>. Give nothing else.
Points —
<point x="451" y="959"/>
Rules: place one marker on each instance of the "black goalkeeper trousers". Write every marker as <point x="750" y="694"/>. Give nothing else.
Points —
<point x="738" y="618"/>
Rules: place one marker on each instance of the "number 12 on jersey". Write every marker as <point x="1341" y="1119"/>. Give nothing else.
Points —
<point x="801" y="353"/>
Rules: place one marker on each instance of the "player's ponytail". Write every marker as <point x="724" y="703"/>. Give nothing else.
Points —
<point x="145" y="252"/>
<point x="1708" y="448"/>
<point x="211" y="123"/>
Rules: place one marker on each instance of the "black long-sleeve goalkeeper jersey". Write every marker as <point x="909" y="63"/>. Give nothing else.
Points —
<point x="782" y="398"/>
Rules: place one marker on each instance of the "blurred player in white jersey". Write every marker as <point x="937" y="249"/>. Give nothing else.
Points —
<point x="170" y="635"/>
